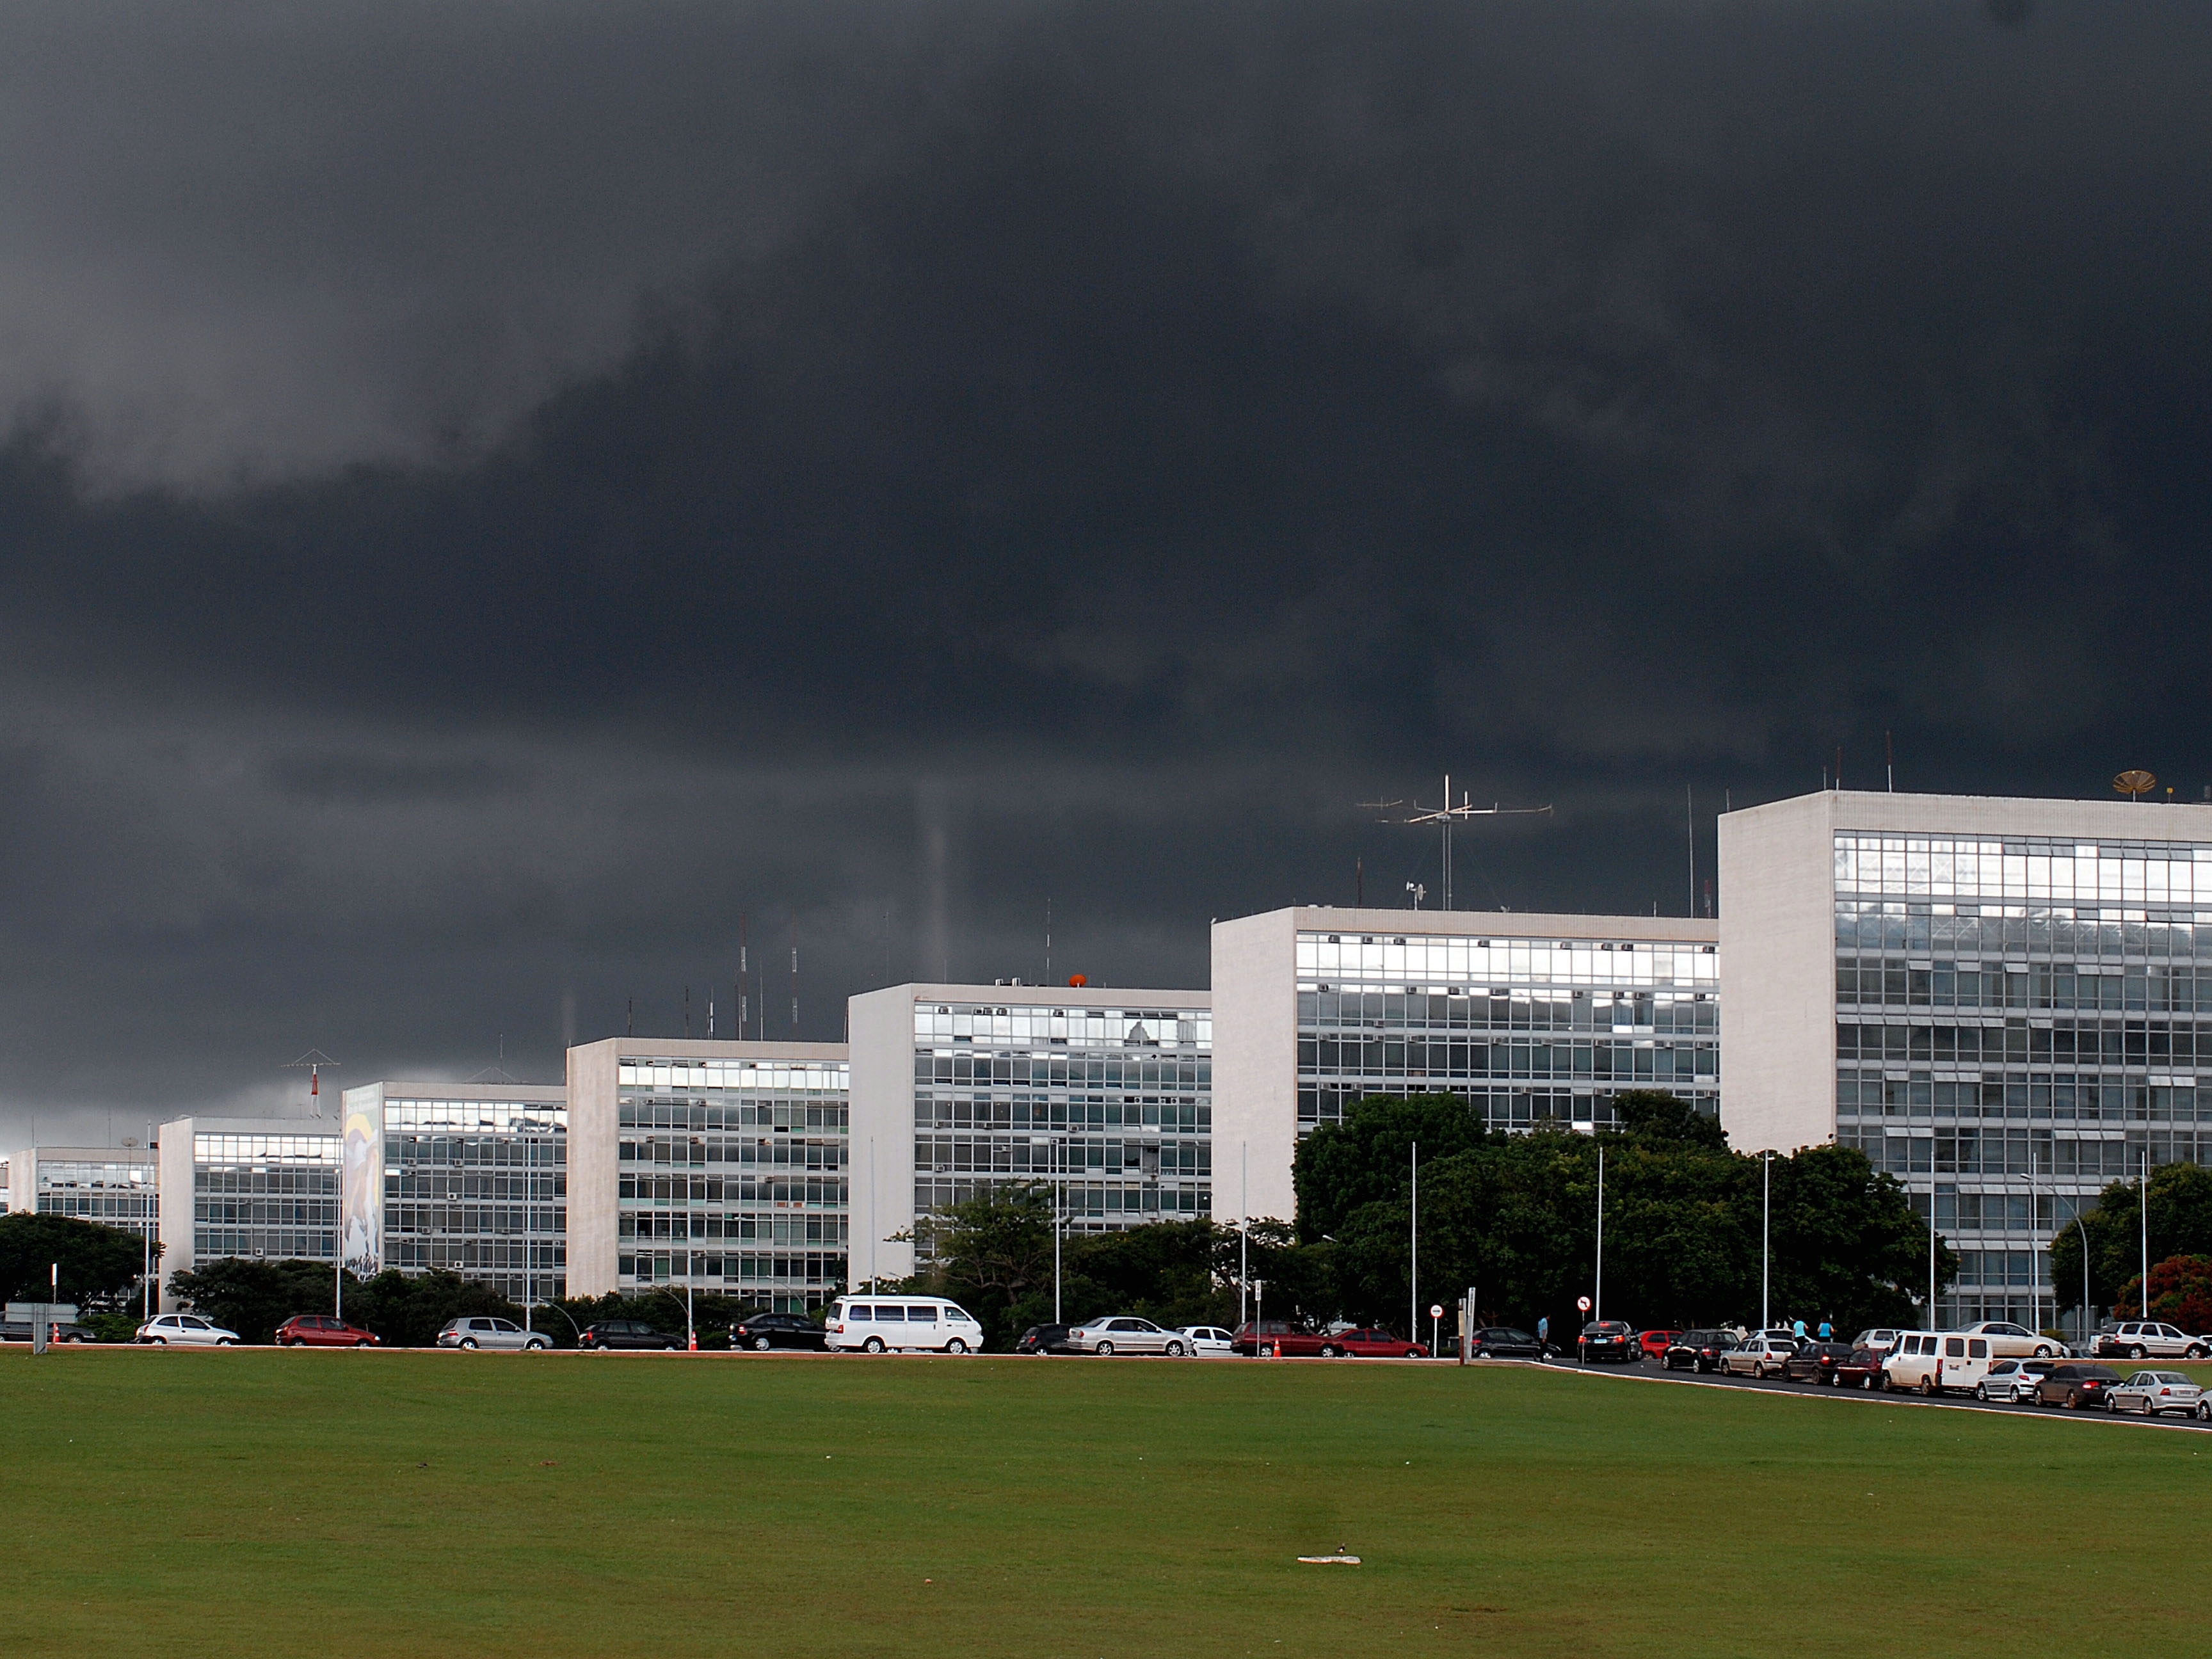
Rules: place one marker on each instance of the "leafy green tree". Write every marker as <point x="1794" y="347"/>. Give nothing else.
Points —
<point x="254" y="1296"/>
<point x="1364" y="1158"/>
<point x="1163" y="1272"/>
<point x="98" y="1262"/>
<point x="992" y="1255"/>
<point x="2180" y="1225"/>
<point x="1847" y="1246"/>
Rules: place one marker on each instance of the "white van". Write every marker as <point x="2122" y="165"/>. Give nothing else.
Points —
<point x="1937" y="1362"/>
<point x="873" y="1324"/>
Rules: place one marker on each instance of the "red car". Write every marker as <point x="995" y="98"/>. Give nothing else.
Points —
<point x="321" y="1331"/>
<point x="1372" y="1342"/>
<point x="1280" y="1337"/>
<point x="1656" y="1343"/>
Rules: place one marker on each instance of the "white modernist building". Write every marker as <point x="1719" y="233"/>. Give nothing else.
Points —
<point x="720" y="1165"/>
<point x="1999" y="999"/>
<point x="1106" y="1095"/>
<point x="116" y="1185"/>
<point x="1525" y="1017"/>
<point x="248" y="1187"/>
<point x="468" y="1177"/>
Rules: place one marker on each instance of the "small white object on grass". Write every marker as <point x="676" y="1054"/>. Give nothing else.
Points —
<point x="1341" y="1558"/>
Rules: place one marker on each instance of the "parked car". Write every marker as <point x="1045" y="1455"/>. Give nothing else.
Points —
<point x="1280" y="1337"/>
<point x="877" y="1324"/>
<point x="2154" y="1393"/>
<point x="1655" y="1344"/>
<point x="1816" y="1362"/>
<point x="1209" y="1341"/>
<point x="479" y="1331"/>
<point x="1506" y="1342"/>
<point x="185" y="1330"/>
<point x="1373" y="1342"/>
<point x="19" y="1330"/>
<point x="2013" y="1380"/>
<point x="2010" y="1341"/>
<point x="610" y="1334"/>
<point x="1611" y="1341"/>
<point x="2149" y="1340"/>
<point x="1759" y="1356"/>
<point x="762" y="1332"/>
<point x="2075" y="1385"/>
<point x="1697" y="1351"/>
<point x="322" y="1331"/>
<point x="1861" y="1371"/>
<point x="1125" y="1333"/>
<point x="1879" y="1338"/>
<point x="1043" y="1340"/>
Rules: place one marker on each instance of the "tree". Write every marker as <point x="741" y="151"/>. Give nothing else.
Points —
<point x="2180" y="1225"/>
<point x="1847" y="1245"/>
<point x="2180" y="1294"/>
<point x="1655" y="1117"/>
<point x="98" y="1262"/>
<point x="993" y="1255"/>
<point x="1364" y="1158"/>
<point x="254" y="1296"/>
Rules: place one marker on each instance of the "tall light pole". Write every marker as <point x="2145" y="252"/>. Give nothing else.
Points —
<point x="2142" y="1217"/>
<point x="2084" y="1232"/>
<point x="1414" y="1258"/>
<point x="1244" y="1226"/>
<point x="1057" y="1150"/>
<point x="1765" y="1234"/>
<point x="1597" y="1301"/>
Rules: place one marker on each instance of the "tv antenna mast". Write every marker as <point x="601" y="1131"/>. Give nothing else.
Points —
<point x="1445" y="817"/>
<point x="313" y="1062"/>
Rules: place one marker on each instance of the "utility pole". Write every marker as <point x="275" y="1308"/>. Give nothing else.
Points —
<point x="1443" y="817"/>
<point x="1414" y="1259"/>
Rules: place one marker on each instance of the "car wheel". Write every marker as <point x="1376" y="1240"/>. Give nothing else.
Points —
<point x="1174" y="1350"/>
<point x="2204" y="1411"/>
<point x="2112" y="1407"/>
<point x="468" y="1342"/>
<point x="362" y="1343"/>
<point x="1412" y="1353"/>
<point x="1927" y="1385"/>
<point x="2196" y="1353"/>
<point x="1104" y="1350"/>
<point x="537" y="1346"/>
<point x="2137" y="1352"/>
<point x="955" y="1346"/>
<point x="1327" y="1351"/>
<point x="760" y="1345"/>
<point x="226" y="1342"/>
<point x="2044" y="1351"/>
<point x="157" y="1341"/>
<point x="1982" y="1392"/>
<point x="2072" y="1400"/>
<point x="873" y="1345"/>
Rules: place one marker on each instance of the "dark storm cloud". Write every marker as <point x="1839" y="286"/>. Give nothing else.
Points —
<point x="502" y="491"/>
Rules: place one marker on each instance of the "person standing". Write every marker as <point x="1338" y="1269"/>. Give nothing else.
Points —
<point x="1827" y="1330"/>
<point x="1544" y="1338"/>
<point x="1798" y="1327"/>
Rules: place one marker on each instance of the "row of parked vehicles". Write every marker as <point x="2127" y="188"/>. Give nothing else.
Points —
<point x="1994" y="1361"/>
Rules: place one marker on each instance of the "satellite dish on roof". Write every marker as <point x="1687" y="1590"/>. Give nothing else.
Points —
<point x="2135" y="784"/>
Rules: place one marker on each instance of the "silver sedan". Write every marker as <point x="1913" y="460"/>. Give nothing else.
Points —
<point x="2156" y="1392"/>
<point x="1125" y="1334"/>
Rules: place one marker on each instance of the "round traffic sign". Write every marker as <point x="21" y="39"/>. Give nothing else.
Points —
<point x="1583" y="1301"/>
<point x="1436" y="1311"/>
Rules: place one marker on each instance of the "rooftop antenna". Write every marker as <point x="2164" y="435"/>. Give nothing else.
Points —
<point x="498" y="1073"/>
<point x="314" y="1060"/>
<point x="794" y="978"/>
<point x="1889" y="759"/>
<point x="1443" y="816"/>
<point x="1047" y="942"/>
<point x="1418" y="892"/>
<point x="1690" y="817"/>
<point x="744" y="1006"/>
<point x="687" y="1013"/>
<point x="2135" y="785"/>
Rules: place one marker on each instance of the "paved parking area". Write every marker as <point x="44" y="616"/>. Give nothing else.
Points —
<point x="1649" y="1372"/>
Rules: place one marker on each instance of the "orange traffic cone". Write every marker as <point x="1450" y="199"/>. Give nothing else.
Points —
<point x="694" y="1342"/>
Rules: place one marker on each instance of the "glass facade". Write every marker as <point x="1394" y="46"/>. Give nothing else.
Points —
<point x="1114" y="1104"/>
<point x="118" y="1192"/>
<point x="733" y="1177"/>
<point x="2018" y="1022"/>
<point x="273" y="1196"/>
<point x="479" y="1188"/>
<point x="1521" y="1028"/>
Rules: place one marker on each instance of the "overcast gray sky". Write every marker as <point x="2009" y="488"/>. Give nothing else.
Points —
<point x="499" y="496"/>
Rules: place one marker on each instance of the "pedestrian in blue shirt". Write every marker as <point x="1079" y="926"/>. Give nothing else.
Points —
<point x="1543" y="1336"/>
<point x="1798" y="1326"/>
<point x="1827" y="1332"/>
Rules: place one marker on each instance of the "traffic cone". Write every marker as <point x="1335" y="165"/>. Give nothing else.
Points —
<point x="695" y="1341"/>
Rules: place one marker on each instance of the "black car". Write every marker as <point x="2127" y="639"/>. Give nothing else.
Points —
<point x="1043" y="1338"/>
<point x="626" y="1334"/>
<point x="1817" y="1362"/>
<point x="19" y="1330"/>
<point x="1610" y="1339"/>
<point x="1505" y="1342"/>
<point x="1697" y="1351"/>
<point x="2078" y="1388"/>
<point x="777" y="1330"/>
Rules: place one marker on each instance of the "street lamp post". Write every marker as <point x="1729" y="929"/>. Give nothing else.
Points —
<point x="1413" y="1252"/>
<point x="1057" y="1152"/>
<point x="2084" y="1232"/>
<point x="1765" y="1233"/>
<point x="1597" y="1299"/>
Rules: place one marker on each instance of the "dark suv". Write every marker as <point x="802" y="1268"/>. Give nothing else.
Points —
<point x="1506" y="1342"/>
<point x="1697" y="1351"/>
<point x="777" y="1330"/>
<point x="1610" y="1339"/>
<point x="626" y="1334"/>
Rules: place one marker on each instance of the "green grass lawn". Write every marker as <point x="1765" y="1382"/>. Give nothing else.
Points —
<point x="258" y="1502"/>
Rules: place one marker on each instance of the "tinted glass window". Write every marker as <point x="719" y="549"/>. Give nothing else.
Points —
<point x="1954" y="1347"/>
<point x="1977" y="1349"/>
<point x="922" y="1315"/>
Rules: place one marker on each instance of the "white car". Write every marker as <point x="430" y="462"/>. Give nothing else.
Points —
<point x="479" y="1332"/>
<point x="1881" y="1340"/>
<point x="185" y="1330"/>
<point x="1125" y="1333"/>
<point x="1209" y="1341"/>
<point x="2148" y="1340"/>
<point x="2156" y="1392"/>
<point x="2014" y="1380"/>
<point x="2010" y="1341"/>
